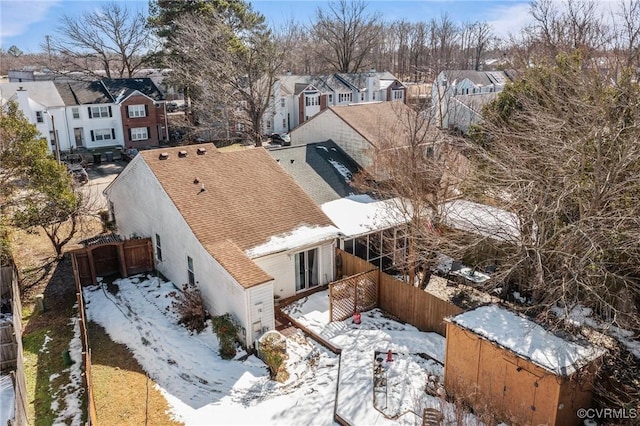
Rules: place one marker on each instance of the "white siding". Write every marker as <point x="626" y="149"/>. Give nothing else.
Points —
<point x="327" y="125"/>
<point x="261" y="312"/>
<point x="281" y="267"/>
<point x="142" y="207"/>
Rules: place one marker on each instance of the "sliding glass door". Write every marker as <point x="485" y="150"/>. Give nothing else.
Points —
<point x="306" y="269"/>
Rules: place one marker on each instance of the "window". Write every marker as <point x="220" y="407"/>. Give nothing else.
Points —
<point x="191" y="275"/>
<point x="159" y="248"/>
<point x="284" y="123"/>
<point x="139" y="134"/>
<point x="39" y="117"/>
<point x="282" y="102"/>
<point x="103" y="135"/>
<point x="99" y="112"/>
<point x="75" y="111"/>
<point x="135" y="111"/>
<point x="398" y="95"/>
<point x="312" y="100"/>
<point x="330" y="98"/>
<point x="52" y="138"/>
<point x="344" y="97"/>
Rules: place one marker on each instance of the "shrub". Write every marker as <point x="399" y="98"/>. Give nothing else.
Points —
<point x="226" y="329"/>
<point x="273" y="351"/>
<point x="190" y="307"/>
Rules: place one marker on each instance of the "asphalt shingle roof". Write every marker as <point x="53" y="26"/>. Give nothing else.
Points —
<point x="320" y="169"/>
<point x="83" y="92"/>
<point x="247" y="199"/>
<point x="121" y="88"/>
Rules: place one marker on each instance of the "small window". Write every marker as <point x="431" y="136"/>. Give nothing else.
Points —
<point x="398" y="95"/>
<point x="102" y="134"/>
<point x="139" y="134"/>
<point x="159" y="248"/>
<point x="136" y="111"/>
<point x="99" y="112"/>
<point x="39" y="117"/>
<point x="282" y="102"/>
<point x="284" y="123"/>
<point x="76" y="113"/>
<point x="191" y="275"/>
<point x="330" y="98"/>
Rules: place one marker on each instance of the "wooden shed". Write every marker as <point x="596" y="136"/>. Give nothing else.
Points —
<point x="499" y="361"/>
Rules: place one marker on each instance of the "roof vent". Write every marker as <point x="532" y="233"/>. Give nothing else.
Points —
<point x="292" y="160"/>
<point x="182" y="153"/>
<point x="196" y="180"/>
<point x="163" y="155"/>
<point x="202" y="151"/>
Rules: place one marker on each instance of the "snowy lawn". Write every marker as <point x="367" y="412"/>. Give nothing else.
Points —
<point x="202" y="388"/>
<point x="396" y="395"/>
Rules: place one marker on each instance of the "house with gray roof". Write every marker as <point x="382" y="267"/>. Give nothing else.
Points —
<point x="43" y="106"/>
<point x="297" y="98"/>
<point x="458" y="96"/>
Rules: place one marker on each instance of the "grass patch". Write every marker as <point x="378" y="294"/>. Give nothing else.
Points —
<point x="122" y="392"/>
<point x="44" y="368"/>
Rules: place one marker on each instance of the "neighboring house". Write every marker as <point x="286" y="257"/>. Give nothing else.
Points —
<point x="297" y="98"/>
<point x="93" y="114"/>
<point x="369" y="228"/>
<point x="359" y="130"/>
<point x="43" y="106"/>
<point x="143" y="110"/>
<point x="233" y="223"/>
<point x="459" y="95"/>
<point x="93" y="118"/>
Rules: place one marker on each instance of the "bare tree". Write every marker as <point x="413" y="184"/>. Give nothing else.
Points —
<point x="231" y="73"/>
<point x="563" y="154"/>
<point x="420" y="168"/>
<point x="113" y="37"/>
<point x="349" y="32"/>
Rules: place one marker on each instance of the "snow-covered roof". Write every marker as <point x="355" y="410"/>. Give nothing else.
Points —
<point x="360" y="214"/>
<point x="298" y="238"/>
<point x="527" y="339"/>
<point x="481" y="219"/>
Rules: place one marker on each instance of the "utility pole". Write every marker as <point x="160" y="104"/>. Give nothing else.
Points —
<point x="55" y="136"/>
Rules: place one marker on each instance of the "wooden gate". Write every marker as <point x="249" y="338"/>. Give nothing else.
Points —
<point x="110" y="255"/>
<point x="355" y="293"/>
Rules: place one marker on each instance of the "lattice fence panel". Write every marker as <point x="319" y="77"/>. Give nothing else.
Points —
<point x="356" y="293"/>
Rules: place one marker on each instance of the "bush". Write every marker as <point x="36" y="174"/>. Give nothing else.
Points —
<point x="226" y="329"/>
<point x="190" y="307"/>
<point x="273" y="351"/>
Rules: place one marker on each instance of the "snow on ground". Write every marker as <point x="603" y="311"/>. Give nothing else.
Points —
<point x="70" y="412"/>
<point x="200" y="386"/>
<point x="580" y="315"/>
<point x="7" y="399"/>
<point x="363" y="400"/>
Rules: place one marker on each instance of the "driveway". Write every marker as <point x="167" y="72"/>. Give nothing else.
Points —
<point x="100" y="176"/>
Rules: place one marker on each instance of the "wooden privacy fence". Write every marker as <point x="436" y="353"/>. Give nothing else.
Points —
<point x="9" y="288"/>
<point x="86" y="357"/>
<point x="410" y="304"/>
<point x="355" y="293"/>
<point x="110" y="255"/>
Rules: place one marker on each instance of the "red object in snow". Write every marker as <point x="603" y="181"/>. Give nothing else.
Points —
<point x="389" y="357"/>
<point x="356" y="317"/>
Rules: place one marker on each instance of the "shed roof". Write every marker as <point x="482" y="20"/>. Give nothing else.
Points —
<point x="527" y="339"/>
<point x="482" y="219"/>
<point x="237" y="200"/>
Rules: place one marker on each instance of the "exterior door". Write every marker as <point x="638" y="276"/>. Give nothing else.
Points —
<point x="77" y="133"/>
<point x="307" y="269"/>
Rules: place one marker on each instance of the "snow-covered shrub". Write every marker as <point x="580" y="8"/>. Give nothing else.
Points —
<point x="273" y="351"/>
